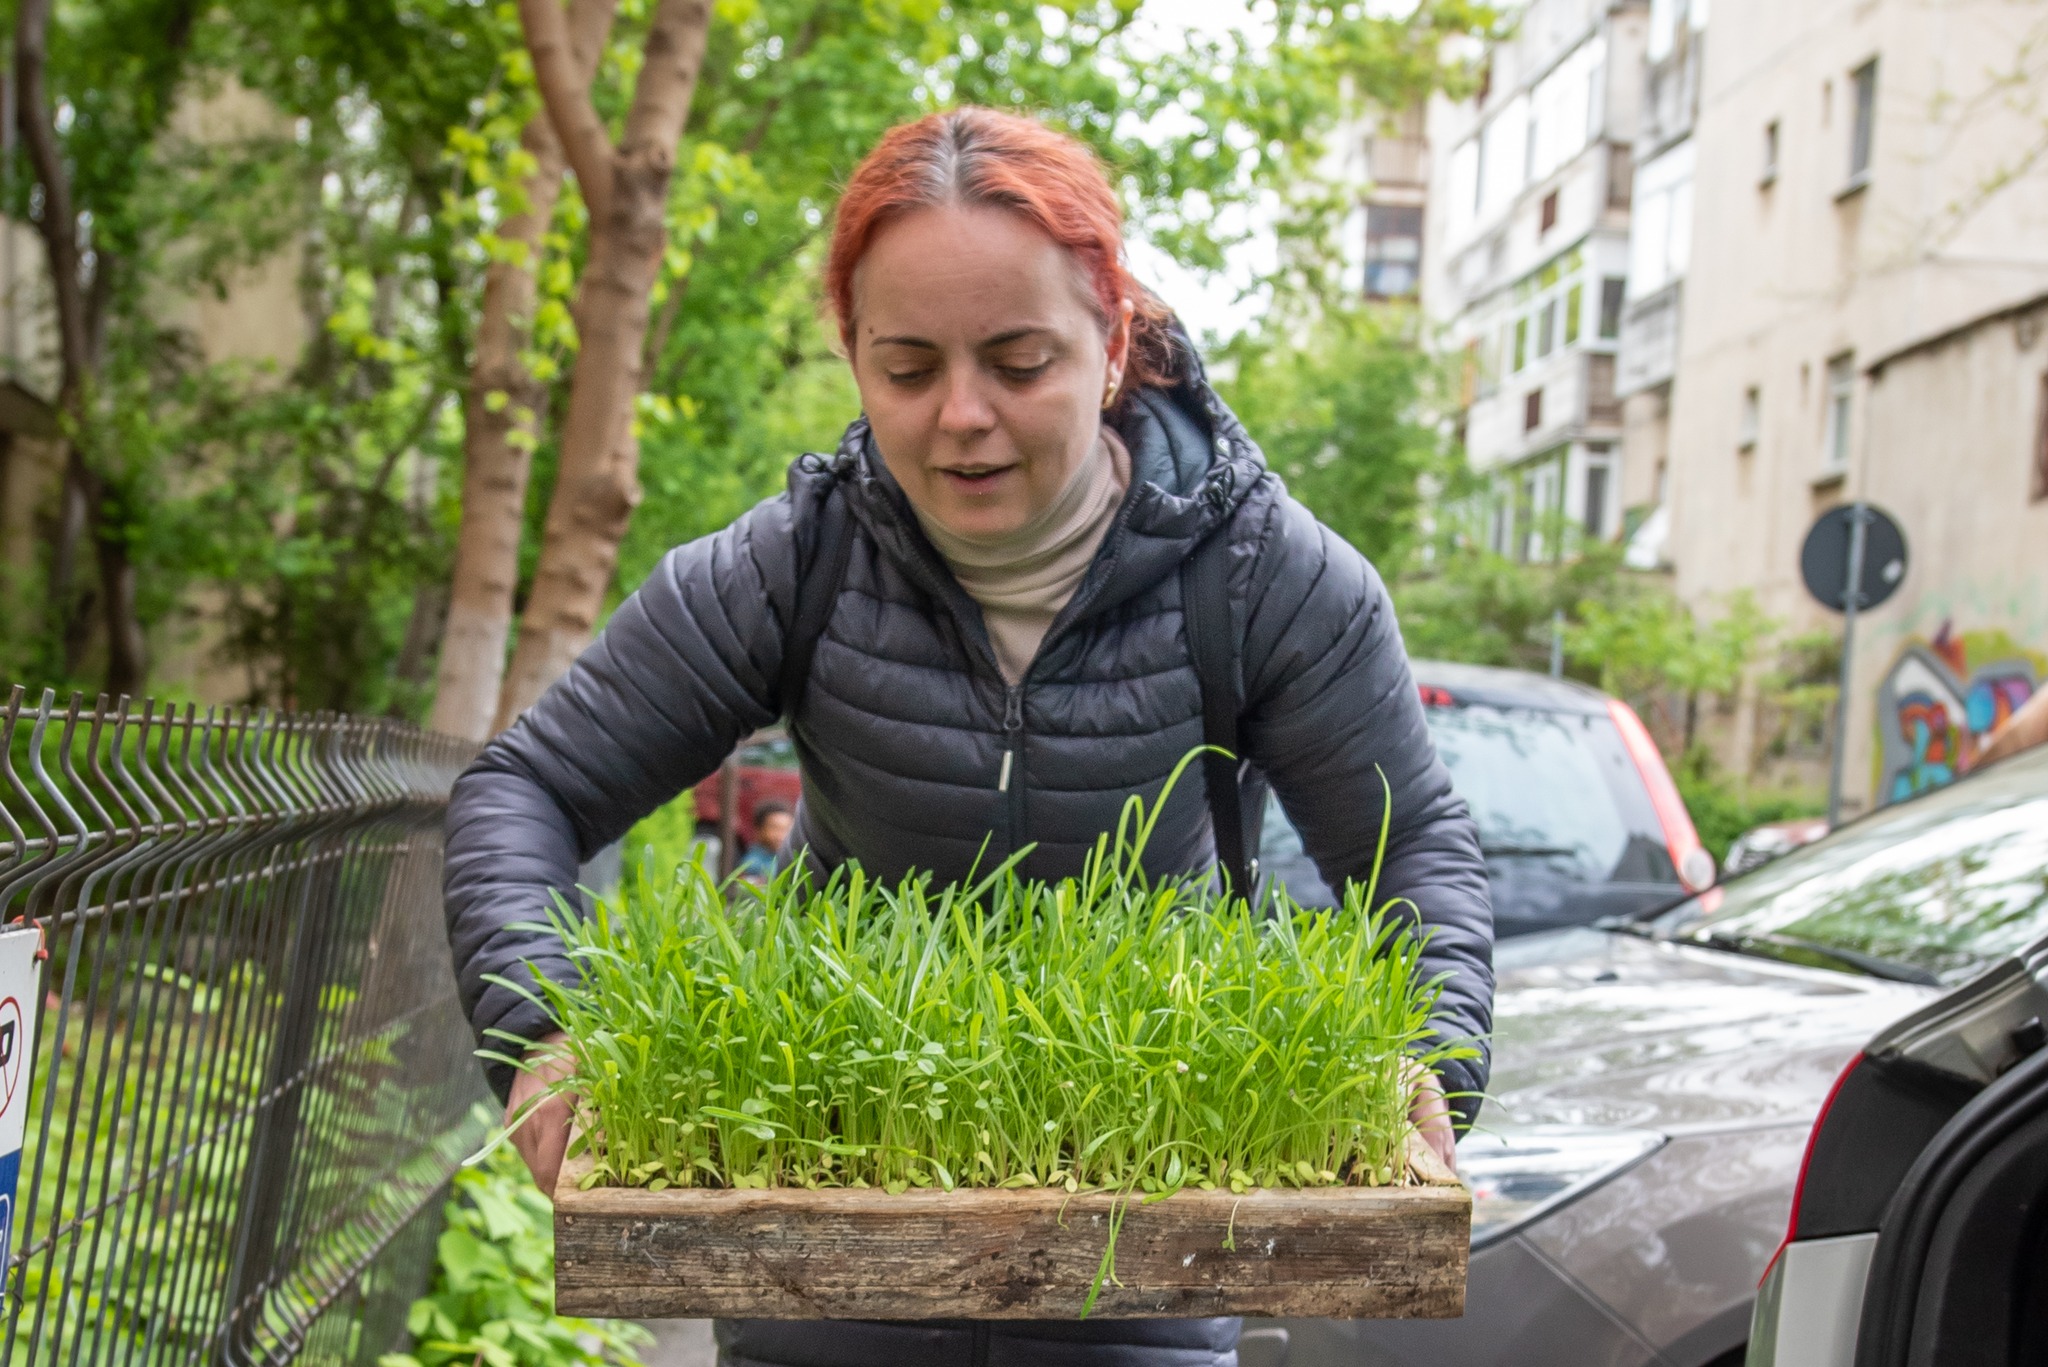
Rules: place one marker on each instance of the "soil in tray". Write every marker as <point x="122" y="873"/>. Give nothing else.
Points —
<point x="792" y="1253"/>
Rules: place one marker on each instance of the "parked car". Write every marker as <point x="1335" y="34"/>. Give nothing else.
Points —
<point x="1656" y="1079"/>
<point x="1918" y="1232"/>
<point x="1578" y="817"/>
<point x="1759" y="845"/>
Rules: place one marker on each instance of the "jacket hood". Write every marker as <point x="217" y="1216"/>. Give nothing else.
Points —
<point x="1192" y="466"/>
<point x="1610" y="1029"/>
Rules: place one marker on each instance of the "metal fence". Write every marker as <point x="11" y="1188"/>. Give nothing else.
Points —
<point x="252" y="1078"/>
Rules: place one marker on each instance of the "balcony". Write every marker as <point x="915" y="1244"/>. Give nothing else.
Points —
<point x="1649" y="340"/>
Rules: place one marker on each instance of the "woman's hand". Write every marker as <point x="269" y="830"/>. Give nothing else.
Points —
<point x="1432" y="1114"/>
<point x="544" y="1136"/>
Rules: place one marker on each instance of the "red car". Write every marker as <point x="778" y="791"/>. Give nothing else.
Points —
<point x="762" y="770"/>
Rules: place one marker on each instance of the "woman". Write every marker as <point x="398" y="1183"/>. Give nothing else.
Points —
<point x="1001" y="657"/>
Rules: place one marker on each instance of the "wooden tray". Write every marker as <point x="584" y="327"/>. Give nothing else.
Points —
<point x="1341" y="1252"/>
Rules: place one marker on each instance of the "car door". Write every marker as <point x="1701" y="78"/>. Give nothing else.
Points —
<point x="1919" y="1227"/>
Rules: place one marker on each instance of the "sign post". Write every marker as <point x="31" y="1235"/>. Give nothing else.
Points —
<point x="1854" y="558"/>
<point x="21" y="975"/>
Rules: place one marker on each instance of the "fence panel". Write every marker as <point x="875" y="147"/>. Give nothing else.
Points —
<point x="252" y="1078"/>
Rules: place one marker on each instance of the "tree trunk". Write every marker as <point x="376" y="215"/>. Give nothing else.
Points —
<point x="627" y="190"/>
<point x="500" y="426"/>
<point x="78" y="328"/>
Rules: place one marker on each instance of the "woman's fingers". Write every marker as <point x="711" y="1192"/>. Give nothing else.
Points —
<point x="542" y="1137"/>
<point x="1432" y="1116"/>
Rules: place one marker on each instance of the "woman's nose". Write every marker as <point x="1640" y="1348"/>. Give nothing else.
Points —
<point x="965" y="411"/>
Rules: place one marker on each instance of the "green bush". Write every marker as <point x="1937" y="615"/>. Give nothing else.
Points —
<point x="1723" y="810"/>
<point x="492" y="1300"/>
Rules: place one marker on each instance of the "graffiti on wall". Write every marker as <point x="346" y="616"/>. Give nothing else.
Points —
<point x="1939" y="702"/>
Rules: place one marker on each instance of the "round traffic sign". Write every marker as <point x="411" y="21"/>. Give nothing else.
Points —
<point x="1824" y="559"/>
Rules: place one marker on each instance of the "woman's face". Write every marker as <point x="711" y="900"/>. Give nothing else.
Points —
<point x="981" y="365"/>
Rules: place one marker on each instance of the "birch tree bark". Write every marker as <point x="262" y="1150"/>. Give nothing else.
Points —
<point x="500" y="425"/>
<point x="626" y="188"/>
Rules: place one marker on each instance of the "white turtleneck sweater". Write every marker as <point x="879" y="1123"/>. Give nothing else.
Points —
<point x="1022" y="580"/>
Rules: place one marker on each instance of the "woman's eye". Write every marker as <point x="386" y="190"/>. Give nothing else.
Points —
<point x="1020" y="374"/>
<point x="909" y="377"/>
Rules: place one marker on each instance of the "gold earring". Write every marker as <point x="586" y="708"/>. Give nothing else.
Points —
<point x="1109" y="394"/>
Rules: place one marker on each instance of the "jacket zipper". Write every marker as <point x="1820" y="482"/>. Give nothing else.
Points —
<point x="1011" y="781"/>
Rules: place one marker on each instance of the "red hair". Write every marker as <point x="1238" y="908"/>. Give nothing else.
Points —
<point x="983" y="157"/>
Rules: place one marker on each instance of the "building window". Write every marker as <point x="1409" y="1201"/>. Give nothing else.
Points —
<point x="1521" y="343"/>
<point x="1865" y="79"/>
<point x="1598" y="472"/>
<point x="1393" y="250"/>
<point x="1532" y="410"/>
<point x="1541" y="490"/>
<point x="1841" y="394"/>
<point x="1574" y="301"/>
<point x="2041" y="446"/>
<point x="1546" y="328"/>
<point x="1548" y="213"/>
<point x="1770" y="172"/>
<point x="1611" y="291"/>
<point x="1752" y="419"/>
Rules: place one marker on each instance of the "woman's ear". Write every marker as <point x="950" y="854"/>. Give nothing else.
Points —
<point x="1118" y="344"/>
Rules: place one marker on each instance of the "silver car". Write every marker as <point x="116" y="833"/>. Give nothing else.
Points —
<point x="1655" y="1082"/>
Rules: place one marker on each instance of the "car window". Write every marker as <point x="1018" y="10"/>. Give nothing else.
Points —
<point x="1945" y="884"/>
<point x="1553" y="787"/>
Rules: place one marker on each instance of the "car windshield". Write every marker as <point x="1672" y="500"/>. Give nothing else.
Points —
<point x="1933" y="890"/>
<point x="1552" y="786"/>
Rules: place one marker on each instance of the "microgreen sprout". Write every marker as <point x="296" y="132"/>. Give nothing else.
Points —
<point x="1112" y="1031"/>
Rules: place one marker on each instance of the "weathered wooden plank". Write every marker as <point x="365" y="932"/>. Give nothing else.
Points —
<point x="792" y="1254"/>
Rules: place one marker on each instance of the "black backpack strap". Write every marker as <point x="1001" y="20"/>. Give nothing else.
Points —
<point x="816" y="592"/>
<point x="1236" y="790"/>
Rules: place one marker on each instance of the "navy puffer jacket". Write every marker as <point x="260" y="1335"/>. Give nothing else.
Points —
<point x="902" y="730"/>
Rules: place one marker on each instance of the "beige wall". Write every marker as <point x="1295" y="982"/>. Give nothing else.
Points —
<point x="1788" y="274"/>
<point x="1953" y="432"/>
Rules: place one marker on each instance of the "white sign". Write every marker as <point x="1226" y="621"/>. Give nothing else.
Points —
<point x="21" y="975"/>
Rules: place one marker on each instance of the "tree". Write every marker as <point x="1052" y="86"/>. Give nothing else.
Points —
<point x="1650" y="640"/>
<point x="1339" y="410"/>
<point x="626" y="188"/>
<point x="89" y="239"/>
<point x="501" y="419"/>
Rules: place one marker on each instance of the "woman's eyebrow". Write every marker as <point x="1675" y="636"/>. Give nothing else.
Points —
<point x="922" y="342"/>
<point x="1014" y="335"/>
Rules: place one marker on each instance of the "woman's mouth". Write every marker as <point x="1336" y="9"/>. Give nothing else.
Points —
<point x="975" y="478"/>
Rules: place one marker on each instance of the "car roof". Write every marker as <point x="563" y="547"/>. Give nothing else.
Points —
<point x="1508" y="687"/>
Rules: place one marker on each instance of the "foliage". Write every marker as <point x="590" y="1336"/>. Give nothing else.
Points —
<point x="1475" y="607"/>
<point x="1722" y="809"/>
<point x="491" y="1303"/>
<point x="1101" y="1032"/>
<point x="1337" y="407"/>
<point x="281" y="497"/>
<point x="1652" y="640"/>
<point x="1621" y="629"/>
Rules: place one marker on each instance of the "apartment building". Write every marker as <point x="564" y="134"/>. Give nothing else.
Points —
<point x="1868" y="235"/>
<point x="1660" y="247"/>
<point x="1525" y="267"/>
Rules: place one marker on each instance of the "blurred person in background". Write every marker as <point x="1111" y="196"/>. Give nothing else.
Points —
<point x="772" y="821"/>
